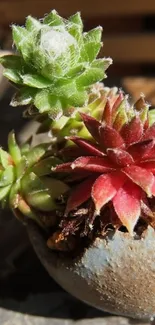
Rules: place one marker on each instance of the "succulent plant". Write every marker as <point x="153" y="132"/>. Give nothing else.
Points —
<point x="112" y="173"/>
<point x="25" y="182"/>
<point x="55" y="63"/>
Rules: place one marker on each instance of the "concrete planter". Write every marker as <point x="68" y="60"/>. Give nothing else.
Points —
<point x="115" y="274"/>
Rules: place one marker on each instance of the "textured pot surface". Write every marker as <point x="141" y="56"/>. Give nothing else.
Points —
<point x="116" y="274"/>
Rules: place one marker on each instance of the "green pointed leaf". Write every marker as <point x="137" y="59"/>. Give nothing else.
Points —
<point x="13" y="197"/>
<point x="107" y="63"/>
<point x="151" y="116"/>
<point x="32" y="24"/>
<point x="56" y="111"/>
<point x="42" y="101"/>
<point x="48" y="103"/>
<point x="29" y="212"/>
<point x="36" y="81"/>
<point x="144" y="115"/>
<point x="21" y="167"/>
<point x="13" y="147"/>
<point x="24" y="42"/>
<point x="92" y="44"/>
<point x="12" y="61"/>
<point x="123" y="107"/>
<point x="75" y="31"/>
<point x="23" y="97"/>
<point x="41" y="200"/>
<point x="19" y="34"/>
<point x="94" y="35"/>
<point x="53" y="19"/>
<point x="36" y="153"/>
<point x="72" y="124"/>
<point x="25" y="209"/>
<point x="76" y="19"/>
<point x="7" y="176"/>
<point x="102" y="64"/>
<point x="25" y="148"/>
<point x="55" y="186"/>
<point x="90" y="51"/>
<point x="13" y="75"/>
<point x="44" y="166"/>
<point x="90" y="76"/>
<point x="5" y="158"/>
<point x="64" y="88"/>
<point x="59" y="125"/>
<point x="4" y="191"/>
<point x="27" y="52"/>
<point x="73" y="72"/>
<point x="78" y="99"/>
<point x="121" y="119"/>
<point x="36" y="193"/>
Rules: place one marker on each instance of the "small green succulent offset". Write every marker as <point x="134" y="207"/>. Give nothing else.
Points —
<point x="26" y="185"/>
<point x="55" y="64"/>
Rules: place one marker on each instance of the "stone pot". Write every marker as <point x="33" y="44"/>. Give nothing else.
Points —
<point x="115" y="274"/>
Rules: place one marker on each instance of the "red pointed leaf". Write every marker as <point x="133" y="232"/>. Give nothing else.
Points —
<point x="107" y="117"/>
<point x="66" y="167"/>
<point x="120" y="157"/>
<point x="110" y="138"/>
<point x="127" y="205"/>
<point x="105" y="188"/>
<point x="141" y="150"/>
<point x="141" y="177"/>
<point x="132" y="131"/>
<point x="117" y="102"/>
<point x="87" y="146"/>
<point x="94" y="164"/>
<point x="92" y="125"/>
<point x="149" y="165"/>
<point x="149" y="133"/>
<point x="79" y="194"/>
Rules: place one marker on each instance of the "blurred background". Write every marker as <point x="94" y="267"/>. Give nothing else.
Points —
<point x="27" y="294"/>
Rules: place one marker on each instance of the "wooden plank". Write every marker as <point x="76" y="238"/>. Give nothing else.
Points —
<point x="137" y="85"/>
<point x="132" y="48"/>
<point x="17" y="10"/>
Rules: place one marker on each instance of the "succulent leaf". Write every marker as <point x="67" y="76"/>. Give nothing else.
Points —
<point x="151" y="116"/>
<point x="13" y="147"/>
<point x="23" y="97"/>
<point x="4" y="191"/>
<point x="127" y="205"/>
<point x="36" y="193"/>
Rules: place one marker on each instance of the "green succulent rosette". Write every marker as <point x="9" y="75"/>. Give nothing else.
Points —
<point x="26" y="185"/>
<point x="55" y="64"/>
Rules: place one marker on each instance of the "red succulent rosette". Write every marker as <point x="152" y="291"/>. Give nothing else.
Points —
<point x="116" y="167"/>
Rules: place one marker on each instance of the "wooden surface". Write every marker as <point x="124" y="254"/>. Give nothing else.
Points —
<point x="15" y="10"/>
<point x="137" y="85"/>
<point x="132" y="48"/>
